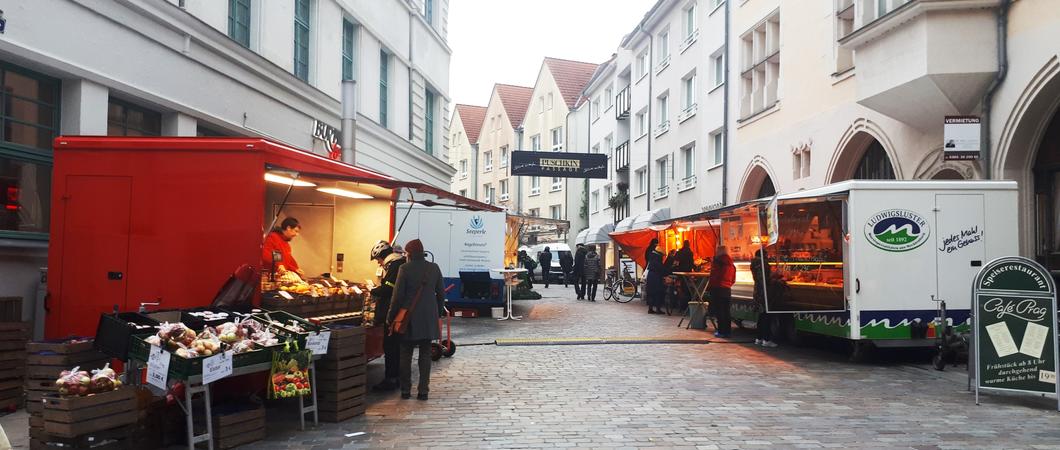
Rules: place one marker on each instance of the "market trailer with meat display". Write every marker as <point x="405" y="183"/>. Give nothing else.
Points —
<point x="864" y="260"/>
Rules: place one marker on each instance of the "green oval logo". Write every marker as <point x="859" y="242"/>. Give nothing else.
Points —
<point x="897" y="230"/>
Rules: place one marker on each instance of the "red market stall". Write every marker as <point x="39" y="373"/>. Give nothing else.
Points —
<point x="168" y="220"/>
<point x="701" y="235"/>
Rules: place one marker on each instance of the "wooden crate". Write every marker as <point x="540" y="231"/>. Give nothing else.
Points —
<point x="10" y="309"/>
<point x="122" y="437"/>
<point x="239" y="428"/>
<point x="62" y="347"/>
<point x="341" y="410"/>
<point x="344" y="347"/>
<point x="324" y="365"/>
<point x="70" y="417"/>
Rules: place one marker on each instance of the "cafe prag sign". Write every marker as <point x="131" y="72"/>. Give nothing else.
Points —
<point x="559" y="164"/>
<point x="1015" y="298"/>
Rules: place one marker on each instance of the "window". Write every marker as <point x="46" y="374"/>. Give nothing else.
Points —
<point x="535" y="212"/>
<point x="662" y="172"/>
<point x="126" y="119"/>
<point x="689" y="91"/>
<point x="540" y="105"/>
<point x="535" y="142"/>
<point x="557" y="139"/>
<point x="594" y="201"/>
<point x="384" y="78"/>
<point x="716" y="3"/>
<point x="29" y="120"/>
<point x="690" y="20"/>
<point x="664" y="48"/>
<point x="642" y="182"/>
<point x="504" y="156"/>
<point x="301" y="39"/>
<point x="761" y="58"/>
<point x="504" y="188"/>
<point x="487" y="161"/>
<point x="642" y="125"/>
<point x="609" y="98"/>
<point x="535" y="185"/>
<point x="596" y="109"/>
<point x="844" y="25"/>
<point x="239" y="21"/>
<point x="549" y="101"/>
<point x="428" y="122"/>
<point x="608" y="145"/>
<point x="642" y="65"/>
<point x="555" y="211"/>
<point x="872" y="10"/>
<point x="607" y="196"/>
<point x="688" y="160"/>
<point x="800" y="162"/>
<point x="557" y="184"/>
<point x="463" y="168"/>
<point x="663" y="104"/>
<point x="428" y="11"/>
<point x="463" y="192"/>
<point x="348" y="49"/>
<point x="718" y="142"/>
<point x="718" y="63"/>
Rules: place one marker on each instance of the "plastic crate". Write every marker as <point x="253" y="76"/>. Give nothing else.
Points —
<point x="284" y="317"/>
<point x="113" y="333"/>
<point x="184" y="368"/>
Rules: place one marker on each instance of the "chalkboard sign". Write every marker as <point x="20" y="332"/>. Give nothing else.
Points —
<point x="1015" y="327"/>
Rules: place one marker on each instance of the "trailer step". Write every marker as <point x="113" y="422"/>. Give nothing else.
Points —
<point x="595" y="341"/>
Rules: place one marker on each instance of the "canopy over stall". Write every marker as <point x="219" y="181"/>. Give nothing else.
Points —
<point x="596" y="235"/>
<point x="700" y="235"/>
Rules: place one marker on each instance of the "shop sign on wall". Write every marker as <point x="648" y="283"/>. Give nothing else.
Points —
<point x="961" y="138"/>
<point x="325" y="132"/>
<point x="1015" y="328"/>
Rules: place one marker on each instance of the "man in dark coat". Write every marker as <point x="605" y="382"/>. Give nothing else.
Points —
<point x="566" y="263"/>
<point x="593" y="268"/>
<point x="389" y="262"/>
<point x="579" y="266"/>
<point x="722" y="277"/>
<point x="528" y="263"/>
<point x="545" y="260"/>
<point x="419" y="289"/>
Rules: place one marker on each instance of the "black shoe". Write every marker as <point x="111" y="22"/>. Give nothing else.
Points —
<point x="385" y="386"/>
<point x="421" y="396"/>
<point x="406" y="395"/>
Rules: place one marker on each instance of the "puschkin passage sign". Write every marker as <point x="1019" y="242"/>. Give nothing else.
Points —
<point x="559" y="164"/>
<point x="1015" y="330"/>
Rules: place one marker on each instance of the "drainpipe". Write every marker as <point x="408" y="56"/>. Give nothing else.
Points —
<point x="725" y="116"/>
<point x="1002" y="71"/>
<point x="412" y="18"/>
<point x="349" y="121"/>
<point x="650" y="68"/>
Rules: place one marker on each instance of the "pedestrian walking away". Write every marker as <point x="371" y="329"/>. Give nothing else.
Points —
<point x="763" y="282"/>
<point x="545" y="260"/>
<point x="591" y="272"/>
<point x="656" y="278"/>
<point x="390" y="261"/>
<point x="722" y="277"/>
<point x="579" y="268"/>
<point x="566" y="264"/>
<point x="419" y="290"/>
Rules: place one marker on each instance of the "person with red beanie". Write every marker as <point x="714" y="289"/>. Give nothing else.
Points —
<point x="420" y="290"/>
<point x="722" y="277"/>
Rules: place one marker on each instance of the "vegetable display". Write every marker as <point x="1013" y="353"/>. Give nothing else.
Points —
<point x="77" y="382"/>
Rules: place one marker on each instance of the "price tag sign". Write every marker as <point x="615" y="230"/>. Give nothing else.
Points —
<point x="357" y="290"/>
<point x="326" y="283"/>
<point x="318" y="342"/>
<point x="284" y="294"/>
<point x="216" y="367"/>
<point x="158" y="367"/>
<point x="343" y="283"/>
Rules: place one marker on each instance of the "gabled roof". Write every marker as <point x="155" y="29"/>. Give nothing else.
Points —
<point x="472" y="117"/>
<point x="516" y="99"/>
<point x="571" y="77"/>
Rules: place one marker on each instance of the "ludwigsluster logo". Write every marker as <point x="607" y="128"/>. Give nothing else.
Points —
<point x="897" y="230"/>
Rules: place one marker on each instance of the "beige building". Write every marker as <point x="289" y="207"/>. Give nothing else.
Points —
<point x="500" y="135"/>
<point x="827" y="91"/>
<point x="545" y="129"/>
<point x="463" y="148"/>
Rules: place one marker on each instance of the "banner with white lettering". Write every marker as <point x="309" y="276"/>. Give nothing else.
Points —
<point x="559" y="164"/>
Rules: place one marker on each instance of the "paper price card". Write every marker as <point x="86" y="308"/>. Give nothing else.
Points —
<point x="284" y="294"/>
<point x="357" y="290"/>
<point x="216" y="367"/>
<point x="158" y="367"/>
<point x="318" y="342"/>
<point x="1047" y="376"/>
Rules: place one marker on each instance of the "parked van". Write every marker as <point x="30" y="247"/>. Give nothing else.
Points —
<point x="557" y="249"/>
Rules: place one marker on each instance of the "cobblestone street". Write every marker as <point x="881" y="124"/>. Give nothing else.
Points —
<point x="716" y="395"/>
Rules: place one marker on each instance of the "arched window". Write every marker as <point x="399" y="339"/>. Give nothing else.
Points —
<point x="767" y="189"/>
<point x="948" y="174"/>
<point x="874" y="164"/>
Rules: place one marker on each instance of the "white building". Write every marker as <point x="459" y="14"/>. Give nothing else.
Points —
<point x="501" y="134"/>
<point x="209" y="67"/>
<point x="463" y="148"/>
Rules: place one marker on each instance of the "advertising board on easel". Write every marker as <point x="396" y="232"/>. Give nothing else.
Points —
<point x="1015" y="297"/>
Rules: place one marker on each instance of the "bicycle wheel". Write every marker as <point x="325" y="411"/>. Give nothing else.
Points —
<point x="609" y="291"/>
<point x="626" y="291"/>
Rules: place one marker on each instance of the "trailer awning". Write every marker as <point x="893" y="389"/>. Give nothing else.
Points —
<point x="596" y="235"/>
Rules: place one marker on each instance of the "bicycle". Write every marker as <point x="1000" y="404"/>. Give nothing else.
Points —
<point x="620" y="289"/>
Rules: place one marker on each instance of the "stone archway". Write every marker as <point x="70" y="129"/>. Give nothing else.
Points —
<point x="864" y="152"/>
<point x="757" y="179"/>
<point x="947" y="174"/>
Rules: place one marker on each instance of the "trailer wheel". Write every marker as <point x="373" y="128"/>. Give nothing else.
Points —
<point x="450" y="348"/>
<point x="436" y="351"/>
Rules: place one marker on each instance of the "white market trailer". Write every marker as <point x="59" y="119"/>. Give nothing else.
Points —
<point x="862" y="260"/>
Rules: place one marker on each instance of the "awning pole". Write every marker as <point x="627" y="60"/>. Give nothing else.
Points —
<point x="278" y="211"/>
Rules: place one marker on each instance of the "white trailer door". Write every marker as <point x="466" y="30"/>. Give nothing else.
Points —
<point x="435" y="231"/>
<point x="960" y="246"/>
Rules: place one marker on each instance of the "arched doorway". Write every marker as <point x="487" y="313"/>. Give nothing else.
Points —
<point x="767" y="189"/>
<point x="757" y="182"/>
<point x="947" y="174"/>
<point x="862" y="156"/>
<point x="874" y="164"/>
<point x="1046" y="173"/>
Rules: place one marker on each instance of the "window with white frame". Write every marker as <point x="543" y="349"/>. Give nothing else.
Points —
<point x="557" y="184"/>
<point x="872" y="10"/>
<point x="607" y="196"/>
<point x="596" y="148"/>
<point x="463" y="168"/>
<point x="662" y="171"/>
<point x="800" y="162"/>
<point x="641" y="180"/>
<point x="717" y="140"/>
<point x="535" y="142"/>
<point x="761" y="69"/>
<point x="662" y="57"/>
<point x="663" y="109"/>
<point x="688" y="91"/>
<point x="596" y="109"/>
<point x="642" y="124"/>
<point x="642" y="64"/>
<point x="504" y="188"/>
<point x="487" y="161"/>
<point x="555" y="211"/>
<point x="463" y="192"/>
<point x="504" y="156"/>
<point x="608" y="145"/>
<point x="609" y="98"/>
<point x="844" y="25"/>
<point x="535" y="212"/>
<point x="557" y="139"/>
<point x="689" y="15"/>
<point x="540" y="104"/>
<point x="548" y="101"/>
<point x="717" y="62"/>
<point x="688" y="161"/>
<point x="535" y="185"/>
<point x="487" y="193"/>
<point x="594" y="201"/>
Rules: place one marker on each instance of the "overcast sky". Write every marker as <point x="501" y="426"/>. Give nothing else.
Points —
<point x="504" y="41"/>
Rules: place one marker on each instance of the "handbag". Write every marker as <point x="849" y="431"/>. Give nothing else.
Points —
<point x="400" y="325"/>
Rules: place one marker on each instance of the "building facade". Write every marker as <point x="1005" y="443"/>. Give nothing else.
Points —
<point x="202" y="67"/>
<point x="501" y="134"/>
<point x="463" y="148"/>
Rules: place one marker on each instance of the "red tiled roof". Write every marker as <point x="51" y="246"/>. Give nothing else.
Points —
<point x="571" y="77"/>
<point x="516" y="99"/>
<point x="472" y="117"/>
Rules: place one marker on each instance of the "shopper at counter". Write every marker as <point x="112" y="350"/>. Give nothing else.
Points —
<point x="656" y="279"/>
<point x="419" y="289"/>
<point x="279" y="240"/>
<point x="722" y="277"/>
<point x="762" y="278"/>
<point x="390" y="261"/>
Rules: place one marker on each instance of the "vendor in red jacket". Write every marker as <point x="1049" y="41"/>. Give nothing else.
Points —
<point x="279" y="240"/>
<point x="722" y="277"/>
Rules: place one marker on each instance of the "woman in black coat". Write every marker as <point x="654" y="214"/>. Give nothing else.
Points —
<point x="657" y="273"/>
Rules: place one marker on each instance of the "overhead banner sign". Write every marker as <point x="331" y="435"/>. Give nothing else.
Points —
<point x="559" y="164"/>
<point x="961" y="137"/>
<point x="1015" y="330"/>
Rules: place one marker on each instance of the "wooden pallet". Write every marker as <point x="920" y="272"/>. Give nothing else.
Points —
<point x="64" y="360"/>
<point x="244" y="427"/>
<point x="122" y="437"/>
<point x="60" y="347"/>
<point x="324" y="365"/>
<point x="42" y="371"/>
<point x="345" y="347"/>
<point x="331" y="388"/>
<point x="70" y="417"/>
<point x="342" y="410"/>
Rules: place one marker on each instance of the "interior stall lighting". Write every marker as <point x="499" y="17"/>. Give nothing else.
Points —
<point x="273" y="178"/>
<point x="344" y="193"/>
